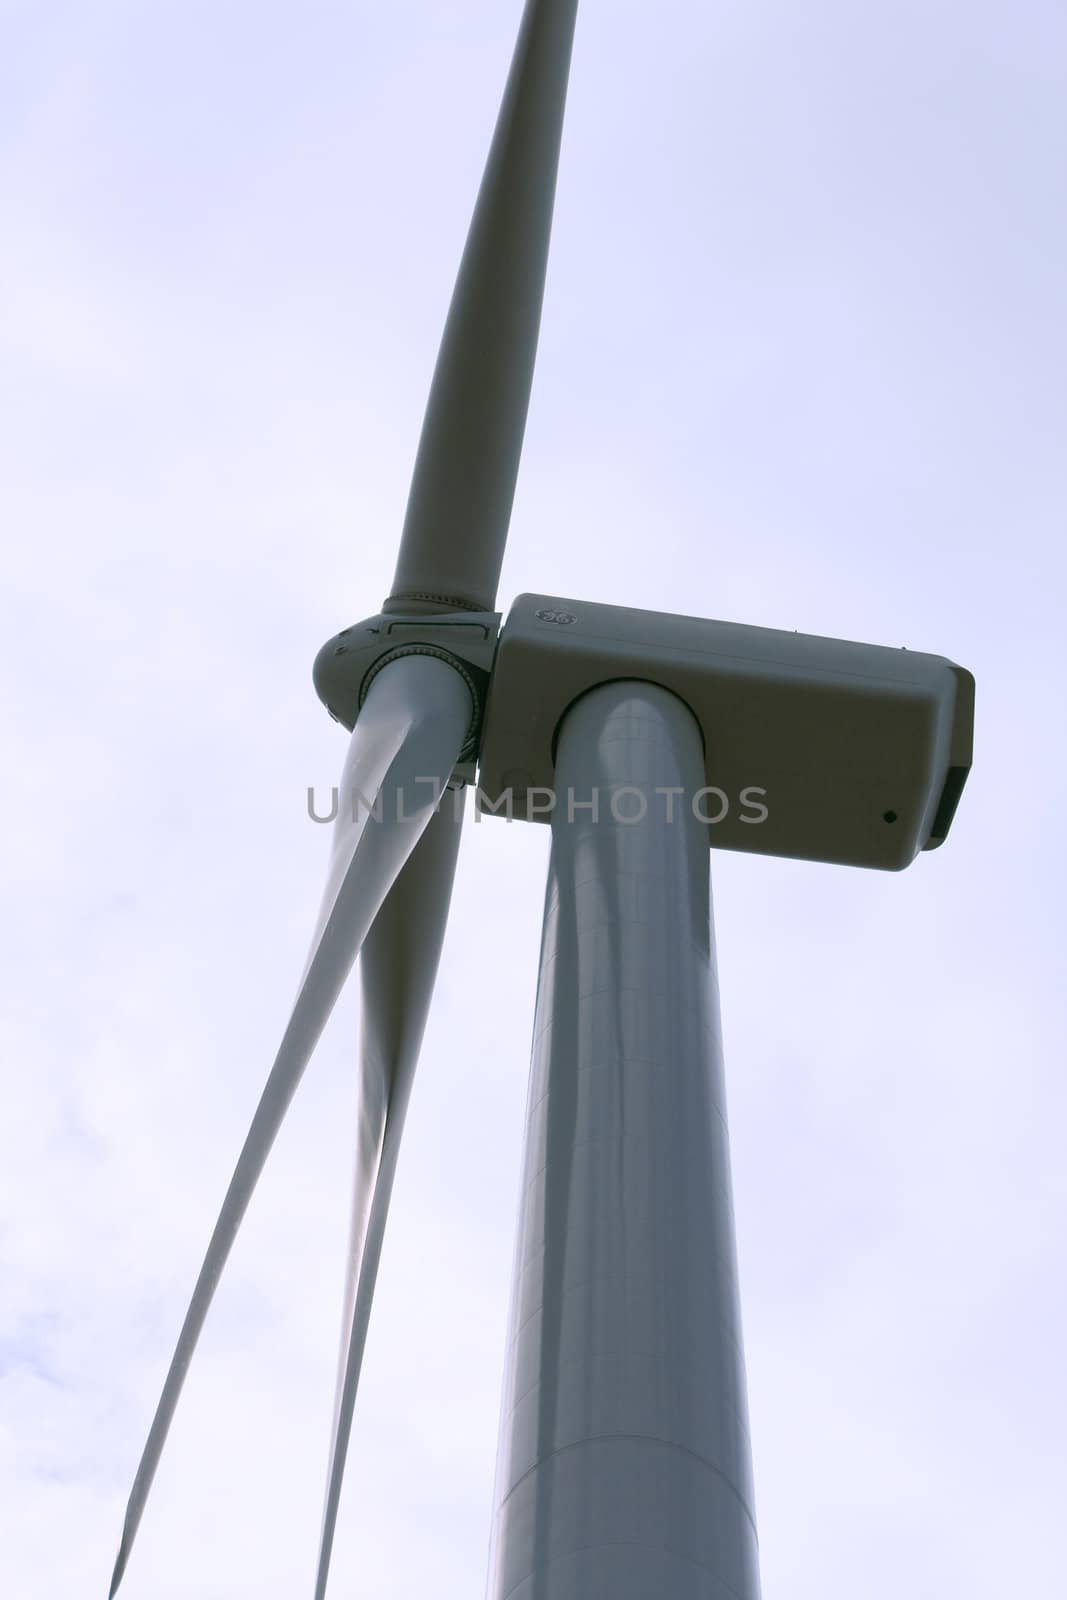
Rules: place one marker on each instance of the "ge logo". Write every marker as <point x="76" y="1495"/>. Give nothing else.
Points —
<point x="563" y="618"/>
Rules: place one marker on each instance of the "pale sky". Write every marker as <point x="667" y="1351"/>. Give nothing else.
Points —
<point x="802" y="365"/>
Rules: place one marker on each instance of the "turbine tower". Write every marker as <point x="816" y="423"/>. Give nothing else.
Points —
<point x="624" y="1465"/>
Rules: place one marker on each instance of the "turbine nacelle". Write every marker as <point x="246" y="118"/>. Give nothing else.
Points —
<point x="856" y="753"/>
<point x="818" y="749"/>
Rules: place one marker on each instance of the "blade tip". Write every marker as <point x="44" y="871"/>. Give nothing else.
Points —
<point x="120" y="1567"/>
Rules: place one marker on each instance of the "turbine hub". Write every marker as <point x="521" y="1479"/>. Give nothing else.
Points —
<point x="347" y="664"/>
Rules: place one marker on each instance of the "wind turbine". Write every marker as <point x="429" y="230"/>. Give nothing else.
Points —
<point x="624" y="1465"/>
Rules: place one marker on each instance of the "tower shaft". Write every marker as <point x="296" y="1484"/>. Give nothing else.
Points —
<point x="624" y="1466"/>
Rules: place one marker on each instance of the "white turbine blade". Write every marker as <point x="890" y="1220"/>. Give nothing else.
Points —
<point x="467" y="464"/>
<point x="404" y="746"/>
<point x="398" y="965"/>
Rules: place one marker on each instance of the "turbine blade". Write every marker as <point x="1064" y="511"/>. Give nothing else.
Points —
<point x="463" y="486"/>
<point x="398" y="965"/>
<point x="403" y="748"/>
